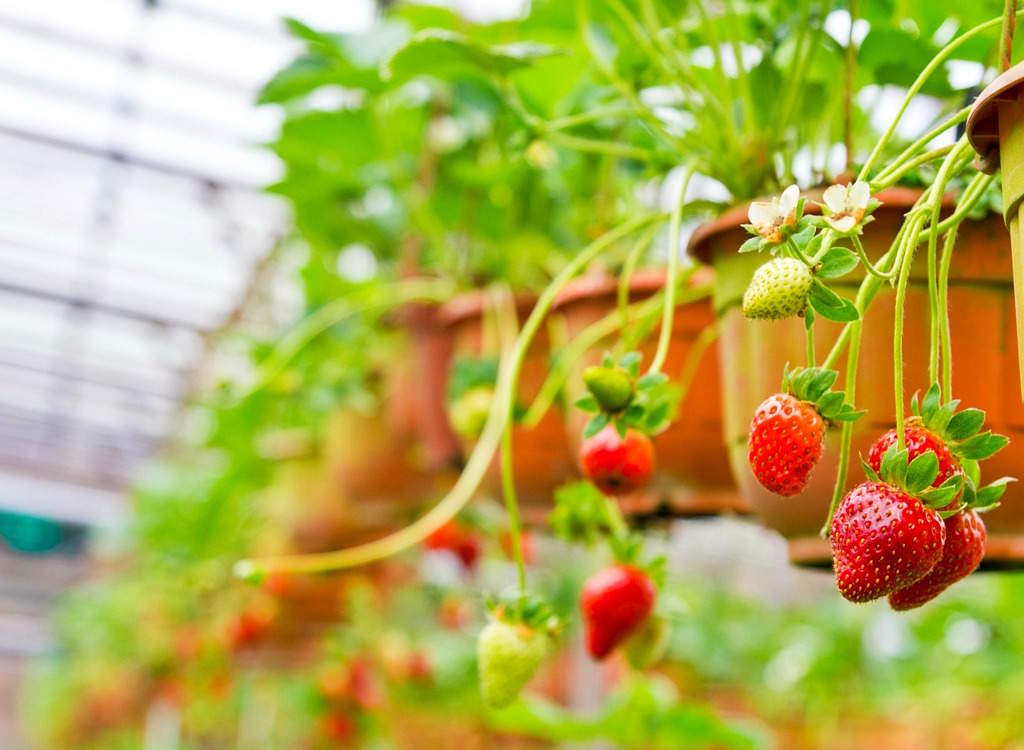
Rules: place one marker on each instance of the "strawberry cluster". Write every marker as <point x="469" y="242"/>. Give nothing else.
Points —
<point x="617" y="454"/>
<point x="914" y="527"/>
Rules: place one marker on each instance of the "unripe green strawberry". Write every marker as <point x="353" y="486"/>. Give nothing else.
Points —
<point x="508" y="655"/>
<point x="778" y="290"/>
<point x="611" y="388"/>
<point x="468" y="413"/>
<point x="648" y="644"/>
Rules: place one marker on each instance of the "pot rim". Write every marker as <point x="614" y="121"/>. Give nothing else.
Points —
<point x="644" y="282"/>
<point x="699" y="246"/>
<point x="472" y="303"/>
<point x="983" y="121"/>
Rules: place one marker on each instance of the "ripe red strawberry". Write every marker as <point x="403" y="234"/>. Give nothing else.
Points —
<point x="339" y="727"/>
<point x="883" y="538"/>
<point x="457" y="539"/>
<point x="918" y="441"/>
<point x="615" y="602"/>
<point x="616" y="465"/>
<point x="961" y="555"/>
<point x="787" y="438"/>
<point x="787" y="433"/>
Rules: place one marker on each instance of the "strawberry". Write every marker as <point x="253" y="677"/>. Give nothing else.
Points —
<point x="611" y="387"/>
<point x="511" y="648"/>
<point x="918" y="440"/>
<point x="615" y="602"/>
<point x="778" y="290"/>
<point x="458" y="539"/>
<point x="617" y="465"/>
<point x="339" y="727"/>
<point x="961" y="555"/>
<point x="886" y="533"/>
<point x="647" y="645"/>
<point x="787" y="433"/>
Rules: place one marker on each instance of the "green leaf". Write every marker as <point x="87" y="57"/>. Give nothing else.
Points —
<point x="821" y="381"/>
<point x="631" y="362"/>
<point x="915" y="404"/>
<point x="752" y="245"/>
<point x="621" y="426"/>
<point x="442" y="52"/>
<point x="982" y="446"/>
<point x="965" y="424"/>
<point x="830" y="404"/>
<point x="597" y="423"/>
<point x="650" y="380"/>
<point x="894" y="466"/>
<point x="922" y="472"/>
<point x="869" y="471"/>
<point x="808" y="319"/>
<point x="848" y="414"/>
<point x="830" y="305"/>
<point x="837" y="262"/>
<point x="987" y="497"/>
<point x="942" y="416"/>
<point x="587" y="403"/>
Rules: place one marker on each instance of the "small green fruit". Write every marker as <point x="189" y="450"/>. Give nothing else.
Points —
<point x="508" y="655"/>
<point x="611" y="388"/>
<point x="648" y="644"/>
<point x="778" y="290"/>
<point x="468" y="413"/>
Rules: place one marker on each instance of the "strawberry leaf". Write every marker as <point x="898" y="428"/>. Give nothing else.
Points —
<point x="940" y="420"/>
<point x="988" y="496"/>
<point x="965" y="424"/>
<point x="944" y="494"/>
<point x="587" y="403"/>
<point x="621" y="426"/>
<point x="597" y="423"/>
<point x="915" y="404"/>
<point x="820" y="382"/>
<point x="752" y="245"/>
<point x="921" y="472"/>
<point x="830" y="305"/>
<point x="848" y="414"/>
<point x="982" y="446"/>
<point x="630" y="362"/>
<point x="972" y="470"/>
<point x="894" y="467"/>
<point x="830" y="405"/>
<point x="869" y="472"/>
<point x="650" y="380"/>
<point x="837" y="262"/>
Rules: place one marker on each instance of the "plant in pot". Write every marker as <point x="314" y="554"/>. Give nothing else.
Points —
<point x="765" y="143"/>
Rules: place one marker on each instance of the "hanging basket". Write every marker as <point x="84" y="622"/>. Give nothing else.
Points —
<point x="692" y="475"/>
<point x="753" y="354"/>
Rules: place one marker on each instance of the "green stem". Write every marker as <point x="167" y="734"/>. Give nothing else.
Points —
<point x="915" y="88"/>
<point x="481" y="455"/>
<point x="595" y="146"/>
<point x="627" y="273"/>
<point x="906" y="261"/>
<point x="809" y="329"/>
<point x="871" y="269"/>
<point x="921" y="142"/>
<point x="334" y="313"/>
<point x="798" y="254"/>
<point x="889" y="179"/>
<point x="669" y="310"/>
<point x="504" y="305"/>
<point x="846" y="433"/>
<point x="585" y="118"/>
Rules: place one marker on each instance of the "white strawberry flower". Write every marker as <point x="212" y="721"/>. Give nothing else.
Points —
<point x="769" y="217"/>
<point x="845" y="205"/>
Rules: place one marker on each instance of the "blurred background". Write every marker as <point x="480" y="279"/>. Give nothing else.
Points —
<point x="184" y="181"/>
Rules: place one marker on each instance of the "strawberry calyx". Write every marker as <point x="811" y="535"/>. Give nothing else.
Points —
<point x="813" y="384"/>
<point x="525" y="610"/>
<point x="961" y="431"/>
<point x="618" y="395"/>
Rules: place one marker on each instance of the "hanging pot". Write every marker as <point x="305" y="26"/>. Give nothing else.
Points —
<point x="753" y="354"/>
<point x="541" y="455"/>
<point x="692" y="475"/>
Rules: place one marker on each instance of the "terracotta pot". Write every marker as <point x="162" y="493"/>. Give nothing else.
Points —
<point x="692" y="476"/>
<point x="753" y="353"/>
<point x="541" y="455"/>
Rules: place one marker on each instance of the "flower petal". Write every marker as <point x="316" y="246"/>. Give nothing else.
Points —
<point x="762" y="214"/>
<point x="860" y="194"/>
<point x="843" y="224"/>
<point x="835" y="198"/>
<point x="788" y="200"/>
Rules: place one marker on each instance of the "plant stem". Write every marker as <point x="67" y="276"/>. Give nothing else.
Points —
<point x="482" y="453"/>
<point x="585" y="118"/>
<point x="846" y="432"/>
<point x="595" y="146"/>
<point x="890" y="178"/>
<point x="925" y="74"/>
<point x="906" y="260"/>
<point x="851" y="69"/>
<point x="669" y="310"/>
<point x="1006" y="38"/>
<point x="504" y="305"/>
<point x="809" y="330"/>
<point x="920" y="143"/>
<point x="871" y="269"/>
<point x="333" y="313"/>
<point x="626" y="277"/>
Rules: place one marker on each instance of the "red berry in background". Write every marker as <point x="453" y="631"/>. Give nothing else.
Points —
<point x="363" y="684"/>
<point x="617" y="465"/>
<point x="918" y="440"/>
<point x="455" y="613"/>
<point x="339" y="727"/>
<point x="787" y="437"/>
<point x="961" y="555"/>
<point x="614" y="603"/>
<point x="883" y="539"/>
<point x="526" y="542"/>
<point x="421" y="669"/>
<point x="278" y="583"/>
<point x="456" y="538"/>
